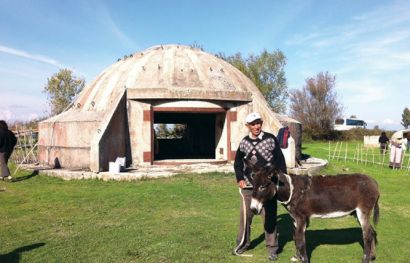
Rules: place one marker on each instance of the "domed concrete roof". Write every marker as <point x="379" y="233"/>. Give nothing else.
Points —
<point x="176" y="68"/>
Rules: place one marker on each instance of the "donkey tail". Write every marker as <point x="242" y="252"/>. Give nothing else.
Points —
<point x="376" y="212"/>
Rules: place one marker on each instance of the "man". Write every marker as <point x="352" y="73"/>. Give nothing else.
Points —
<point x="7" y="142"/>
<point x="260" y="148"/>
<point x="383" y="141"/>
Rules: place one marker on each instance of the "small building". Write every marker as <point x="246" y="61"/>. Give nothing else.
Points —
<point x="116" y="114"/>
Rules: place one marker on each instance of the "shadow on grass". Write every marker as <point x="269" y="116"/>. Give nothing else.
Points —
<point x="285" y="226"/>
<point x="25" y="177"/>
<point x="315" y="238"/>
<point x="257" y="241"/>
<point x="14" y="256"/>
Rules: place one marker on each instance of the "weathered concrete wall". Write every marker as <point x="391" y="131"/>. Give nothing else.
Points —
<point x="371" y="141"/>
<point x="111" y="139"/>
<point x="139" y="130"/>
<point x="221" y="132"/>
<point x="295" y="128"/>
<point x="59" y="157"/>
<point x="66" y="144"/>
<point x="191" y="93"/>
<point x="115" y="141"/>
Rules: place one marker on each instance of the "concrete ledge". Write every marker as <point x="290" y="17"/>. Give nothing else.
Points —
<point x="309" y="166"/>
<point x="191" y="93"/>
<point x="148" y="172"/>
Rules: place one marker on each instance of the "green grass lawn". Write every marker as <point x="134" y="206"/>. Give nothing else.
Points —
<point x="186" y="218"/>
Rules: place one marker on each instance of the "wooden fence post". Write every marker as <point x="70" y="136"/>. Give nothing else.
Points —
<point x="329" y="150"/>
<point x="334" y="152"/>
<point x="346" y="152"/>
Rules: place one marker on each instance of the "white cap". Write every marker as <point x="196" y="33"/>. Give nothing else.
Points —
<point x="253" y="117"/>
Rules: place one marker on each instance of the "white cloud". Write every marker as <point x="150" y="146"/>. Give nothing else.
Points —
<point x="9" y="115"/>
<point x="377" y="39"/>
<point x="25" y="54"/>
<point x="21" y="106"/>
<point x="389" y="121"/>
<point x="104" y="16"/>
<point x="6" y="115"/>
<point x="303" y="38"/>
<point x="361" y="91"/>
<point x="32" y="116"/>
<point x="371" y="121"/>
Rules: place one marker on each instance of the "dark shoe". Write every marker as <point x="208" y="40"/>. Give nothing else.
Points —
<point x="273" y="257"/>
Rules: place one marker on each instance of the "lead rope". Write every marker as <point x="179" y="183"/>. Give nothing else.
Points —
<point x="244" y="230"/>
<point x="289" y="179"/>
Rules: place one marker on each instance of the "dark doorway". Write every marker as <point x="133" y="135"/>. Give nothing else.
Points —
<point x="184" y="135"/>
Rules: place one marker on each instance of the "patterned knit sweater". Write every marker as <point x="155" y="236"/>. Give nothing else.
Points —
<point x="261" y="151"/>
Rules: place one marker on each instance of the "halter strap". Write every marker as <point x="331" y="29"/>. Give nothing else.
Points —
<point x="289" y="179"/>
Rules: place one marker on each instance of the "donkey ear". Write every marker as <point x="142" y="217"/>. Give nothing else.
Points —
<point x="271" y="171"/>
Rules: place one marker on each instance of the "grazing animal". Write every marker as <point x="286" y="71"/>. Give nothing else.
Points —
<point x="319" y="196"/>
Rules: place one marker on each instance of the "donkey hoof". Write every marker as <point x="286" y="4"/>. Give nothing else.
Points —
<point x="294" y="259"/>
<point x="273" y="257"/>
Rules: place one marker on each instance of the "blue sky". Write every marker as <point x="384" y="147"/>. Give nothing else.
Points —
<point x="366" y="44"/>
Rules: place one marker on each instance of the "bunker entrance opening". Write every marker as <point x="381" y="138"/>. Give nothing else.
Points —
<point x="184" y="135"/>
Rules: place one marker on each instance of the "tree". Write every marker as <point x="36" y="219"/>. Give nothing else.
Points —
<point x="267" y="72"/>
<point x="316" y="105"/>
<point x="161" y="130"/>
<point x="405" y="118"/>
<point x="61" y="90"/>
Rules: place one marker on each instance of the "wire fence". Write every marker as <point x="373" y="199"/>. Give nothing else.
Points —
<point x="359" y="153"/>
<point x="25" y="151"/>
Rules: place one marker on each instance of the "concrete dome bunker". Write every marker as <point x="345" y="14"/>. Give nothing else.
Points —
<point x="114" y="116"/>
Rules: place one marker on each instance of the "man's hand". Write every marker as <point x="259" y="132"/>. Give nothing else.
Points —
<point x="242" y="184"/>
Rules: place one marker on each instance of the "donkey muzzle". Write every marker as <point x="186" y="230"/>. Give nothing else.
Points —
<point x="256" y="206"/>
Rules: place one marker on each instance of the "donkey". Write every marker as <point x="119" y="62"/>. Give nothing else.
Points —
<point x="319" y="196"/>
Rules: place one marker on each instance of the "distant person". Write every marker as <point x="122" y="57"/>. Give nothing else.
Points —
<point x="7" y="142"/>
<point x="384" y="142"/>
<point x="396" y="150"/>
<point x="408" y="141"/>
<point x="260" y="148"/>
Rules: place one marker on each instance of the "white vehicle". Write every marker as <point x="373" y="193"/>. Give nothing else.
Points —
<point x="349" y="123"/>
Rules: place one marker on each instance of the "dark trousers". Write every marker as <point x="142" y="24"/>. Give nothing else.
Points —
<point x="4" y="170"/>
<point x="269" y="214"/>
<point x="383" y="148"/>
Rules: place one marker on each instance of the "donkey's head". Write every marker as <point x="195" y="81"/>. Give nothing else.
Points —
<point x="264" y="185"/>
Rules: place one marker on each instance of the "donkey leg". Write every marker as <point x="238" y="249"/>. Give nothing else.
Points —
<point x="364" y="219"/>
<point x="300" y="241"/>
<point x="296" y="257"/>
<point x="373" y="246"/>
